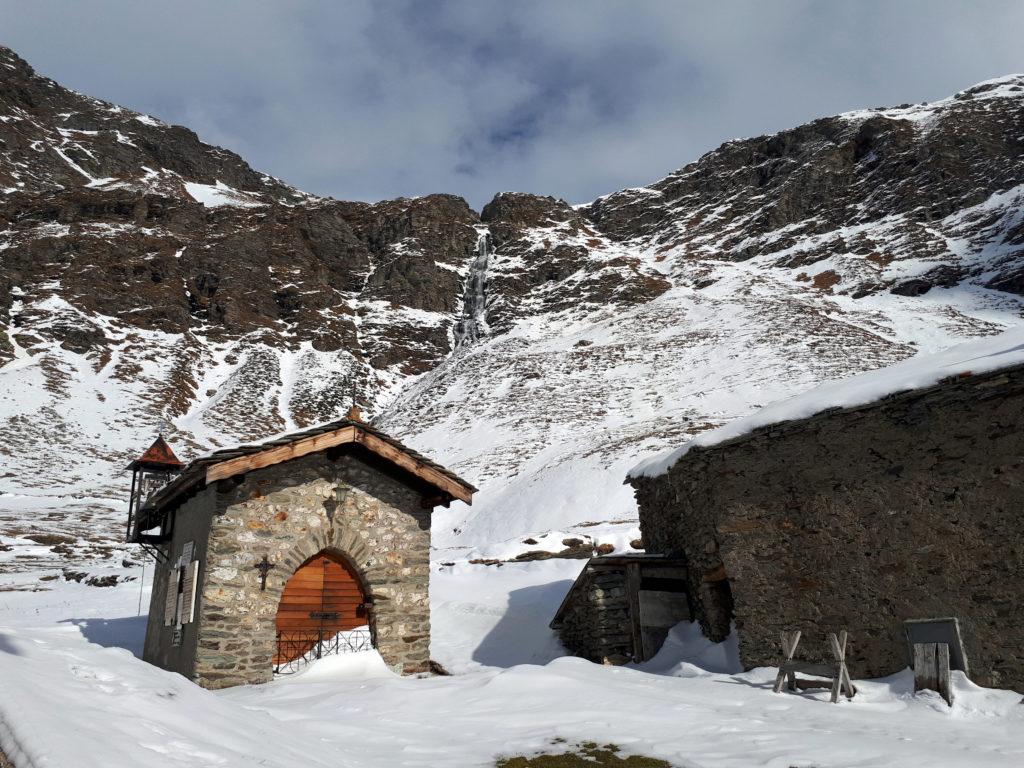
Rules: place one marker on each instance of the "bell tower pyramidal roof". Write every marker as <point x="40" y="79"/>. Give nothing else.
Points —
<point x="159" y="454"/>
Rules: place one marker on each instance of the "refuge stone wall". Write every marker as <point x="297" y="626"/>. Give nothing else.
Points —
<point x="860" y="518"/>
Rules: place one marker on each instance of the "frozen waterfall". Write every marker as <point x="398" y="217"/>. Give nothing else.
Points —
<point x="473" y="325"/>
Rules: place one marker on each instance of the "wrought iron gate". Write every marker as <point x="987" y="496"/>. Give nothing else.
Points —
<point x="303" y="647"/>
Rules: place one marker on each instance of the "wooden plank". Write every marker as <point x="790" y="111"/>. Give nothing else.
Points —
<point x="171" y="596"/>
<point x="633" y="597"/>
<point x="241" y="464"/>
<point x="851" y="689"/>
<point x="803" y="685"/>
<point x="924" y="667"/>
<point x="290" y="602"/>
<point x="305" y="608"/>
<point x="438" y="479"/>
<point x="189" y="590"/>
<point x="942" y="672"/>
<point x="790" y="640"/>
<point x="350" y="434"/>
<point x="809" y="668"/>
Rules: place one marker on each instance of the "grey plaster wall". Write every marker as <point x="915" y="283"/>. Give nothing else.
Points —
<point x="192" y="523"/>
<point x="290" y="512"/>
<point x="912" y="507"/>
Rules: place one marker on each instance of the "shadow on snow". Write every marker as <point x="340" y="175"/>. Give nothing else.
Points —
<point x="522" y="636"/>
<point x="128" y="633"/>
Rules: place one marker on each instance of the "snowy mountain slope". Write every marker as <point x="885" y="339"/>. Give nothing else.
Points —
<point x="539" y="349"/>
<point x="772" y="264"/>
<point x="149" y="279"/>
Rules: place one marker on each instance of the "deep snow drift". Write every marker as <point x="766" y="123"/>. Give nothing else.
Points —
<point x="73" y="698"/>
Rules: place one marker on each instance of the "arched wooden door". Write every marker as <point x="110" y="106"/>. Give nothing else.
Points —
<point x="322" y="598"/>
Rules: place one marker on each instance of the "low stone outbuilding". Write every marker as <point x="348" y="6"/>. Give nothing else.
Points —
<point x="621" y="607"/>
<point x="268" y="552"/>
<point x="860" y="518"/>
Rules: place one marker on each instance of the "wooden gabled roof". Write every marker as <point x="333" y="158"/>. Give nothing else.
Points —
<point x="231" y="462"/>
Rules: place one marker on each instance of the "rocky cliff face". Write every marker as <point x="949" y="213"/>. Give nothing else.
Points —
<point x="146" y="276"/>
<point x="870" y="188"/>
<point x="188" y="286"/>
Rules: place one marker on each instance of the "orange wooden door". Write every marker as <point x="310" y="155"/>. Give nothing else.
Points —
<point x="323" y="597"/>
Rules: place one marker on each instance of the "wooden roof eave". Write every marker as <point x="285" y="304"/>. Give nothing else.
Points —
<point x="347" y="434"/>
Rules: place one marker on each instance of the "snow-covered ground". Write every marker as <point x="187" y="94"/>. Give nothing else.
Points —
<point x="73" y="695"/>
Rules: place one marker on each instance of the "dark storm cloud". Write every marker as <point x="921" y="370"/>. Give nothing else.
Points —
<point x="369" y="100"/>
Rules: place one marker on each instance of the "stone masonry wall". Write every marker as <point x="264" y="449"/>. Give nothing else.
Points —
<point x="912" y="507"/>
<point x="596" y="622"/>
<point x="290" y="512"/>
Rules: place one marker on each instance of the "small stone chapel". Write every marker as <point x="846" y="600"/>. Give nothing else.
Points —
<point x="271" y="554"/>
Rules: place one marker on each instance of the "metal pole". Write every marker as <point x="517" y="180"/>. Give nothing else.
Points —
<point x="142" y="581"/>
<point x="131" y="503"/>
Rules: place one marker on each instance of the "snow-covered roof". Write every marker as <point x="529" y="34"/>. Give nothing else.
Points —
<point x="984" y="355"/>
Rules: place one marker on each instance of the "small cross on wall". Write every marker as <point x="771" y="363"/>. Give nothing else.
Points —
<point x="264" y="566"/>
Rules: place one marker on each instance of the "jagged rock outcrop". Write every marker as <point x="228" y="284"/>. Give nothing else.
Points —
<point x="873" y="187"/>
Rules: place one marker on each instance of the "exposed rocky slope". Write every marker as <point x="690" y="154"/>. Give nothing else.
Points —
<point x="142" y="264"/>
<point x="148" y="276"/>
<point x="770" y="264"/>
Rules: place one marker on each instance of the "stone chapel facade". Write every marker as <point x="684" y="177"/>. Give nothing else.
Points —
<point x="246" y="537"/>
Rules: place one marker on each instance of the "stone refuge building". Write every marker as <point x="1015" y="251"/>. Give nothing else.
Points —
<point x="860" y="517"/>
<point x="266" y="552"/>
<point x="621" y="607"/>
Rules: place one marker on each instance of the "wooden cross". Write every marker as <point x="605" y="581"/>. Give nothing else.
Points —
<point x="264" y="566"/>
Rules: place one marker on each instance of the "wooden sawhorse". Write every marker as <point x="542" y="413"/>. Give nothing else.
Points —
<point x="836" y="671"/>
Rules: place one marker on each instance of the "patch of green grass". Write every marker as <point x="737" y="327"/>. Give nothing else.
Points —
<point x="586" y="755"/>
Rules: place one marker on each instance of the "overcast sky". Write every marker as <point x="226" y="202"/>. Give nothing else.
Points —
<point x="375" y="99"/>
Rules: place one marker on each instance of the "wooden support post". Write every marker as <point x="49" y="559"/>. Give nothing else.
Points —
<point x="790" y="640"/>
<point x="633" y="596"/>
<point x="841" y="681"/>
<point x="931" y="669"/>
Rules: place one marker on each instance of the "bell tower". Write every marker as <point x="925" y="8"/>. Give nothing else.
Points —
<point x="151" y="471"/>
